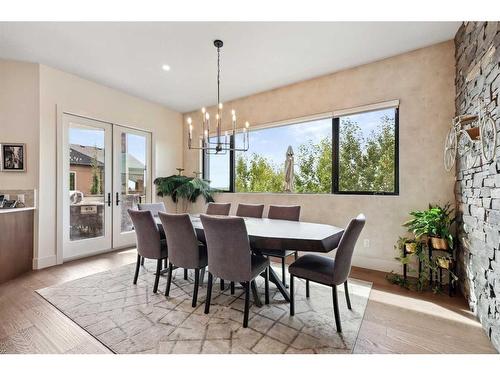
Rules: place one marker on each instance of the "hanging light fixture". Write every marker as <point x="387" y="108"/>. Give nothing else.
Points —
<point x="223" y="142"/>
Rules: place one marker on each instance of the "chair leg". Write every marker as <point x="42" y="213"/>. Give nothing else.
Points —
<point x="165" y="264"/>
<point x="157" y="277"/>
<point x="196" y="284"/>
<point x="142" y="261"/>
<point x="266" y="286"/>
<point x="296" y="255"/>
<point x="209" y="293"/>
<point x="232" y="287"/>
<point x="292" y="298"/>
<point x="336" y="309"/>
<point x="137" y="266"/>
<point x="185" y="274"/>
<point x="307" y="288"/>
<point x="222" y="286"/>
<point x="283" y="272"/>
<point x="247" y="304"/>
<point x="169" y="279"/>
<point x="202" y="275"/>
<point x="347" y="299"/>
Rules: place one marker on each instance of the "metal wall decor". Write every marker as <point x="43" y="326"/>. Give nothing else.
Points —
<point x="481" y="134"/>
<point x="223" y="142"/>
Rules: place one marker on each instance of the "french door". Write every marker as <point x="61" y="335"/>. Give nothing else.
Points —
<point x="106" y="170"/>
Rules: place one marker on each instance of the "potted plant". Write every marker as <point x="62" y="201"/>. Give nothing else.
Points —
<point x="435" y="223"/>
<point x="184" y="189"/>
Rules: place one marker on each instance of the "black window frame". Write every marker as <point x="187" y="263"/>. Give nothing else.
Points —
<point x="206" y="167"/>
<point x="336" y="159"/>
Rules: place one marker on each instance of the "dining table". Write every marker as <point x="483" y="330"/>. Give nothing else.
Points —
<point x="273" y="234"/>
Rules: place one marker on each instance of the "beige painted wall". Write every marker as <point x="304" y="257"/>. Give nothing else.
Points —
<point x="65" y="92"/>
<point x="19" y="119"/>
<point x="423" y="81"/>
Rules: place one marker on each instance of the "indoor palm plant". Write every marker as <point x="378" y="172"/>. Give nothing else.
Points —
<point x="184" y="189"/>
<point x="434" y="223"/>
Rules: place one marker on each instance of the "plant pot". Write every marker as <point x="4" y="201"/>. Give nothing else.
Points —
<point x="473" y="133"/>
<point x="444" y="262"/>
<point x="410" y="247"/>
<point x="439" y="243"/>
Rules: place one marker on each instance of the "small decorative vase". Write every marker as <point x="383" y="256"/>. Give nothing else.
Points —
<point x="411" y="247"/>
<point x="439" y="243"/>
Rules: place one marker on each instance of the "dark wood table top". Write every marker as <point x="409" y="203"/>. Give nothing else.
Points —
<point x="271" y="234"/>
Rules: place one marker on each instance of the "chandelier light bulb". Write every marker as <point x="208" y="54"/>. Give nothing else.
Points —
<point x="203" y="110"/>
<point x="233" y="112"/>
<point x="208" y="116"/>
<point x="220" y="105"/>
<point x="189" y="121"/>
<point x="247" y="124"/>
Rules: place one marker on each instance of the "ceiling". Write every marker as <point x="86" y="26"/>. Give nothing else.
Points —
<point x="256" y="56"/>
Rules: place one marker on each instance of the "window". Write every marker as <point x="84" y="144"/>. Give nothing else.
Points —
<point x="217" y="169"/>
<point x="262" y="167"/>
<point x="72" y="180"/>
<point x="349" y="154"/>
<point x="367" y="149"/>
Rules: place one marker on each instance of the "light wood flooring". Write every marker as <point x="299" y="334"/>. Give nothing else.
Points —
<point x="396" y="320"/>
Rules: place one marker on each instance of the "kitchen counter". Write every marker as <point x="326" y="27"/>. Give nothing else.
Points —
<point x="10" y="210"/>
<point x="16" y="242"/>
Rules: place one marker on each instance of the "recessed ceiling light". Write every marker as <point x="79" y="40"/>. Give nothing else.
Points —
<point x="165" y="67"/>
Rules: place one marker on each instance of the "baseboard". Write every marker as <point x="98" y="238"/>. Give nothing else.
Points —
<point x="377" y="264"/>
<point x="39" y="263"/>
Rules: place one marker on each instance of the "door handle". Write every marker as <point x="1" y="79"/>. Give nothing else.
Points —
<point x="109" y="200"/>
<point x="117" y="198"/>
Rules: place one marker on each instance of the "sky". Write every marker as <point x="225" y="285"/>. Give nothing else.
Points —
<point x="272" y="143"/>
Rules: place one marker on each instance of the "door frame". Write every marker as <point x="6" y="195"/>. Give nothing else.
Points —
<point x="59" y="209"/>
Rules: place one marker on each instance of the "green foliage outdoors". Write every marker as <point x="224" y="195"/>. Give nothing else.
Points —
<point x="366" y="164"/>
<point x="96" y="185"/>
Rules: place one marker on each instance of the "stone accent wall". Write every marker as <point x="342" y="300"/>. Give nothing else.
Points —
<point x="478" y="188"/>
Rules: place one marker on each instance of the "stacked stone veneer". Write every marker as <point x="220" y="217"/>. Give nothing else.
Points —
<point x="478" y="188"/>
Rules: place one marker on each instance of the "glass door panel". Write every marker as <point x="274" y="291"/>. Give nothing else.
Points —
<point x="132" y="160"/>
<point x="87" y="186"/>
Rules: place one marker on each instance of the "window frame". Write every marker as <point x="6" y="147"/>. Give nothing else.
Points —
<point x="205" y="160"/>
<point x="335" y="153"/>
<point x="336" y="160"/>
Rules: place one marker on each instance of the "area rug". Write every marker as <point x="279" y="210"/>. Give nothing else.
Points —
<point x="129" y="318"/>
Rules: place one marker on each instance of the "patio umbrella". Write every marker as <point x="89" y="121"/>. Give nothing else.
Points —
<point x="289" y="170"/>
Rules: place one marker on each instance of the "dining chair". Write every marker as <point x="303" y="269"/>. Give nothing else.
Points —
<point x="328" y="271"/>
<point x="184" y="249"/>
<point x="218" y="209"/>
<point x="149" y="243"/>
<point x="291" y="213"/>
<point x="230" y="257"/>
<point x="250" y="210"/>
<point x="154" y="208"/>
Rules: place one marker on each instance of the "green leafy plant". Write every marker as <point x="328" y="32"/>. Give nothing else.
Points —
<point x="184" y="188"/>
<point x="434" y="222"/>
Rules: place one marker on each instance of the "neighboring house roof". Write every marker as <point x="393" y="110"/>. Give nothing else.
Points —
<point x="84" y="155"/>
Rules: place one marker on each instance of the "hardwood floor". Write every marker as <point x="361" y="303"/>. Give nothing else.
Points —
<point x="396" y="320"/>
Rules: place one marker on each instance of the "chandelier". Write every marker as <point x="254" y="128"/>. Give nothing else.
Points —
<point x="218" y="143"/>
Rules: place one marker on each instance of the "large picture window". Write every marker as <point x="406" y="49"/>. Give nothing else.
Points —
<point x="366" y="145"/>
<point x="349" y="154"/>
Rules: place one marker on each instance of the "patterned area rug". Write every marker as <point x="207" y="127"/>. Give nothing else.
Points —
<point x="129" y="318"/>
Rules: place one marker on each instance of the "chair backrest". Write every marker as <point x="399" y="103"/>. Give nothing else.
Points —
<point x="218" y="208"/>
<point x="147" y="234"/>
<point x="250" y="210"/>
<point x="182" y="243"/>
<point x="291" y="213"/>
<point x="343" y="257"/>
<point x="153" y="207"/>
<point x="228" y="247"/>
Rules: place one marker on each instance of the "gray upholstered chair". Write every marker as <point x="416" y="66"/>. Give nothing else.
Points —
<point x="291" y="213"/>
<point x="328" y="271"/>
<point x="230" y="257"/>
<point x="184" y="249"/>
<point x="250" y="210"/>
<point x="149" y="243"/>
<point x="155" y="208"/>
<point x="218" y="208"/>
